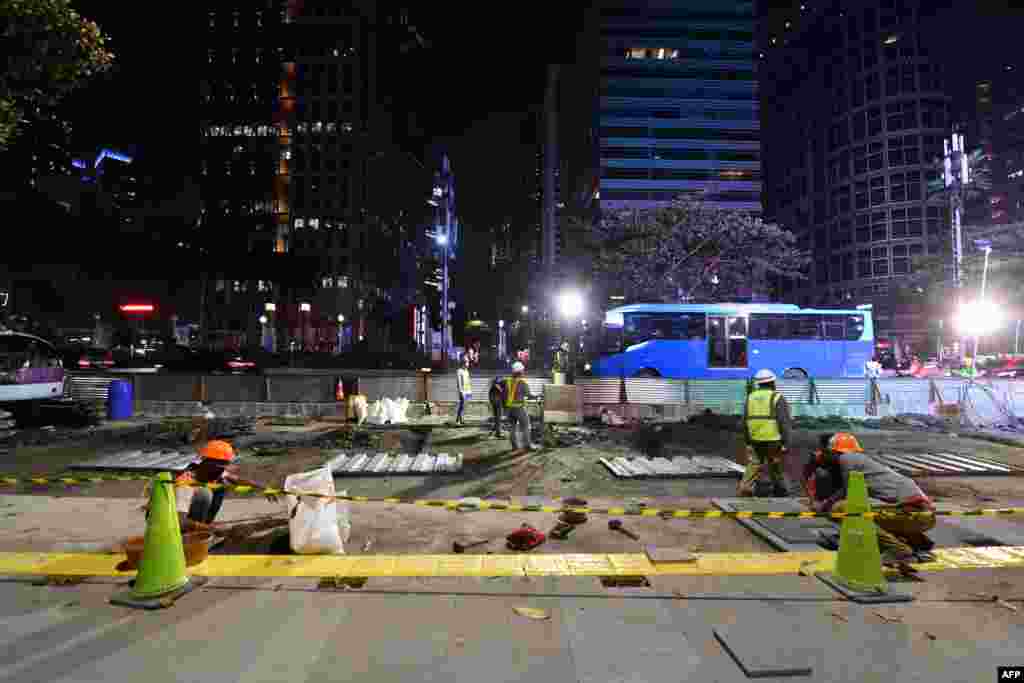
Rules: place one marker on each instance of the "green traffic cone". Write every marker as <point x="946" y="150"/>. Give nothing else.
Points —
<point x="859" y="564"/>
<point x="162" y="567"/>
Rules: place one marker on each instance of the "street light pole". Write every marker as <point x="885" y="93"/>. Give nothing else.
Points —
<point x="984" y="277"/>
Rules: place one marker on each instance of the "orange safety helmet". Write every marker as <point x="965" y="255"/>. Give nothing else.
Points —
<point x="844" y="442"/>
<point x="218" y="450"/>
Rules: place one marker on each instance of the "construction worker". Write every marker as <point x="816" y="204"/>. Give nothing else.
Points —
<point x="516" y="393"/>
<point x="767" y="421"/>
<point x="900" y="539"/>
<point x="465" y="387"/>
<point x="214" y="468"/>
<point x="496" y="397"/>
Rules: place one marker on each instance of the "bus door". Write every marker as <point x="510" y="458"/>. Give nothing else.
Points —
<point x="727" y="341"/>
<point x="834" y="334"/>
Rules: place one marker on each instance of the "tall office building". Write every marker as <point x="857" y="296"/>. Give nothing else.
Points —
<point x="997" y="132"/>
<point x="679" y="104"/>
<point x="854" y="114"/>
<point x="295" y="147"/>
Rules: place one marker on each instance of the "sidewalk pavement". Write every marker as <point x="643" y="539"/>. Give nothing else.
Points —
<point x="253" y="632"/>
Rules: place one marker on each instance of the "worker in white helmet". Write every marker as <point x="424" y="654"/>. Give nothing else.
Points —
<point x="516" y="393"/>
<point x="767" y="424"/>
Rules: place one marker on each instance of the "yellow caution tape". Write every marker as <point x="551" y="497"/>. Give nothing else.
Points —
<point x="453" y="504"/>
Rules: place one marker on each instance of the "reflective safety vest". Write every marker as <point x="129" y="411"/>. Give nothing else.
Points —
<point x="511" y="401"/>
<point x="761" y="416"/>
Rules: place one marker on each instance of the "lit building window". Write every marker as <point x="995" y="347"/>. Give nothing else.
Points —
<point x="346" y="127"/>
<point x="300" y="223"/>
<point x="261" y="285"/>
<point x="318" y="127"/>
<point x="327" y="282"/>
<point x="314" y="223"/>
<point x="343" y="282"/>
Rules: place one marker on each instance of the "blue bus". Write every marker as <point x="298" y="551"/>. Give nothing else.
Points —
<point x="733" y="341"/>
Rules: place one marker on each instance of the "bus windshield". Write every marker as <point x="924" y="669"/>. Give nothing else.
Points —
<point x="730" y="341"/>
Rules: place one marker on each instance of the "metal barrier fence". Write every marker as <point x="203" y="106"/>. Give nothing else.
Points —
<point x="986" y="401"/>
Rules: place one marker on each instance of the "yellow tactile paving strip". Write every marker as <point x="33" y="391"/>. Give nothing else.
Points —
<point x="707" y="564"/>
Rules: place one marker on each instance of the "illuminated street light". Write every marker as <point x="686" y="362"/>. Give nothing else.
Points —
<point x="269" y="307"/>
<point x="442" y="239"/>
<point x="341" y="318"/>
<point x="263" y="320"/>
<point x="526" y="309"/>
<point x="305" y="308"/>
<point x="571" y="304"/>
<point x="979" y="318"/>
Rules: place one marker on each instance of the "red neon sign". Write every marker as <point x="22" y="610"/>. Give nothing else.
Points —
<point x="137" y="308"/>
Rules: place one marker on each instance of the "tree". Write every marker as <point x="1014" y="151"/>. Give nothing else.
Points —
<point x="51" y="51"/>
<point x="689" y="251"/>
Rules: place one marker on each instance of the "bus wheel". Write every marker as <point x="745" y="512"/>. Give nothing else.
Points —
<point x="795" y="373"/>
<point x="647" y="372"/>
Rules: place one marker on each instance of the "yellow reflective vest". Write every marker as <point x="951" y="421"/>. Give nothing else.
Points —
<point x="762" y="416"/>
<point x="511" y="384"/>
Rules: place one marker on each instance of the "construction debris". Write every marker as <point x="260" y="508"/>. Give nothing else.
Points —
<point x="616" y="525"/>
<point x="532" y="613"/>
<point x="656" y="554"/>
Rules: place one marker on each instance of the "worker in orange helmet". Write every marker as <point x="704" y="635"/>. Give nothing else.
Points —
<point x="900" y="539"/>
<point x="214" y="468"/>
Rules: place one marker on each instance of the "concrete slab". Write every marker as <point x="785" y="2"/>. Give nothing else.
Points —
<point x="627" y="641"/>
<point x="777" y="587"/>
<point x="760" y="656"/>
<point x="797" y="531"/>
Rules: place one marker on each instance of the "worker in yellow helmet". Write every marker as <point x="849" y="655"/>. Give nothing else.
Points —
<point x="516" y="393"/>
<point x="767" y="424"/>
<point x="900" y="539"/>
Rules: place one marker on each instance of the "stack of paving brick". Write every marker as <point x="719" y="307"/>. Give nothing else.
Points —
<point x="697" y="467"/>
<point x="364" y="464"/>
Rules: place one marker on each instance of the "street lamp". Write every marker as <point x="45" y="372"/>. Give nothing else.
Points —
<point x="985" y="246"/>
<point x="263" y="320"/>
<point x="571" y="305"/>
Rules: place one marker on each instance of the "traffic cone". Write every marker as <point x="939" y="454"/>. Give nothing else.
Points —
<point x="161" y="578"/>
<point x="858" y="573"/>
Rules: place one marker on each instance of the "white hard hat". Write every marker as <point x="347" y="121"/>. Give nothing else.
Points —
<point x="518" y="367"/>
<point x="764" y="376"/>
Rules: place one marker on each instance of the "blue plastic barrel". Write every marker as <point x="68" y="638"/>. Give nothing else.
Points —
<point x="119" y="400"/>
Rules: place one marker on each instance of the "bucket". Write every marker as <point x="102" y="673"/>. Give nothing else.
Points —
<point x="197" y="548"/>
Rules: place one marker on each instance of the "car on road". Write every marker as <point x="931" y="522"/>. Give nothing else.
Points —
<point x="86" y="358"/>
<point x="223" y="362"/>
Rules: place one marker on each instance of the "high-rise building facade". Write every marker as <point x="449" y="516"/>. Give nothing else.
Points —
<point x="854" y="115"/>
<point x="293" y="138"/>
<point x="679" y="104"/>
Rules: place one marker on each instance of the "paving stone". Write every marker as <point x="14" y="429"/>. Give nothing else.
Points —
<point x="630" y="641"/>
<point x="761" y="655"/>
<point x="796" y="530"/>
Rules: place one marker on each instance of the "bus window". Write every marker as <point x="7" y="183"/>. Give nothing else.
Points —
<point x="769" y="326"/>
<point x="806" y="326"/>
<point x="835" y="327"/>
<point x="641" y="327"/>
<point x="854" y="327"/>
<point x="738" y="342"/>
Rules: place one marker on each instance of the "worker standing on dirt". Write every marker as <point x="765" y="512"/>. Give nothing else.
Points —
<point x="496" y="397"/>
<point x="900" y="539"/>
<point x="768" y="426"/>
<point x="516" y="393"/>
<point x="465" y="387"/>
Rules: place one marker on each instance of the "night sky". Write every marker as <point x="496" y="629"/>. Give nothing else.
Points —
<point x="483" y="61"/>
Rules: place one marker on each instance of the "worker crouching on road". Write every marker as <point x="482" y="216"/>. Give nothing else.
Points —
<point x="900" y="539"/>
<point x="768" y="426"/>
<point x="516" y="393"/>
<point x="204" y="503"/>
